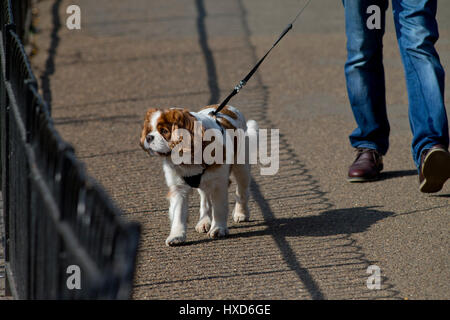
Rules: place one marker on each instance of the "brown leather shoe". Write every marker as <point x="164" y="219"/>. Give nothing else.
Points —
<point x="434" y="169"/>
<point x="366" y="167"/>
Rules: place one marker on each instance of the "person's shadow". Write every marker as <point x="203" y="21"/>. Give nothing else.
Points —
<point x="385" y="175"/>
<point x="330" y="222"/>
<point x="327" y="223"/>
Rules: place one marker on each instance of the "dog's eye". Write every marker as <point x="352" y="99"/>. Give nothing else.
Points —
<point x="164" y="131"/>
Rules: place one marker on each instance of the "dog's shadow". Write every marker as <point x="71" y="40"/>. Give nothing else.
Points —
<point x="327" y="223"/>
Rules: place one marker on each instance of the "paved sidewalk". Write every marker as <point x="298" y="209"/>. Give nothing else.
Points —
<point x="312" y="235"/>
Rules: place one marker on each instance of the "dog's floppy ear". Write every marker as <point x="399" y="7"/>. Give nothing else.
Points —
<point x="180" y="119"/>
<point x="190" y="132"/>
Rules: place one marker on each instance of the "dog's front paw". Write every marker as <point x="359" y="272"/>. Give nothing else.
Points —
<point x="203" y="225"/>
<point x="241" y="213"/>
<point x="175" y="240"/>
<point x="218" y="232"/>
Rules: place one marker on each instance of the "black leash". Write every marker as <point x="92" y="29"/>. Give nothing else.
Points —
<point x="243" y="82"/>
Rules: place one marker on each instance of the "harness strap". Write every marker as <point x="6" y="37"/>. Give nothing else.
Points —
<point x="194" y="181"/>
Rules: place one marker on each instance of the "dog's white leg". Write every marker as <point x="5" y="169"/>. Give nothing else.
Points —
<point x="204" y="222"/>
<point x="241" y="173"/>
<point x="219" y="202"/>
<point x="178" y="212"/>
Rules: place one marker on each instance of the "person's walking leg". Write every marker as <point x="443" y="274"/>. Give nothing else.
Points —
<point x="365" y="85"/>
<point x="417" y="33"/>
<point x="365" y="75"/>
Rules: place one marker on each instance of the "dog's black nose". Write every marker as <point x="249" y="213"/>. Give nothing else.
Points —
<point x="149" y="138"/>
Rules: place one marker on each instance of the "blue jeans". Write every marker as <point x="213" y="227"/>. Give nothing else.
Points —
<point x="417" y="32"/>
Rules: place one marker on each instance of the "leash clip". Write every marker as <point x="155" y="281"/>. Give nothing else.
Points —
<point x="240" y="85"/>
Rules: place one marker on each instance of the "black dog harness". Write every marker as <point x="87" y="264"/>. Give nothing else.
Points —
<point x="194" y="181"/>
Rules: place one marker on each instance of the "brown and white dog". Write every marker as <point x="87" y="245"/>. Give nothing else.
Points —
<point x="159" y="137"/>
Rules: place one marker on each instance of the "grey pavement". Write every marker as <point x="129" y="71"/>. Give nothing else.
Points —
<point x="312" y="235"/>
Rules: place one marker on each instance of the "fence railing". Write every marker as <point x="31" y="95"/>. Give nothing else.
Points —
<point x="55" y="215"/>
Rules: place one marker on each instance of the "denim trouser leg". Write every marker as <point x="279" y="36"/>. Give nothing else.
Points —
<point x="417" y="32"/>
<point x="364" y="74"/>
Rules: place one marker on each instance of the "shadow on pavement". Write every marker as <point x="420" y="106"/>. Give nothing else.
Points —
<point x="50" y="62"/>
<point x="331" y="222"/>
<point x="397" y="174"/>
<point x="442" y="196"/>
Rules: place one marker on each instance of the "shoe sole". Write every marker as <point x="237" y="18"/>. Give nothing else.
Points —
<point x="436" y="171"/>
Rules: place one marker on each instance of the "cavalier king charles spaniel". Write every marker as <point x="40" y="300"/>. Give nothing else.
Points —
<point x="161" y="137"/>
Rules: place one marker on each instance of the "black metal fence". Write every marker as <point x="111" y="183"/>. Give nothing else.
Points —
<point x="55" y="215"/>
